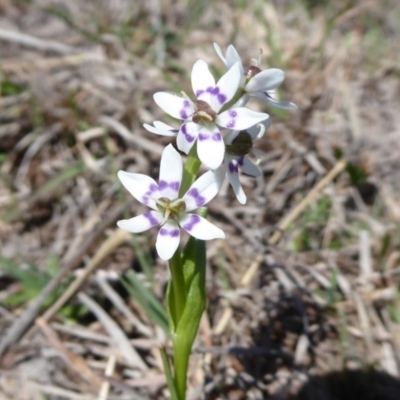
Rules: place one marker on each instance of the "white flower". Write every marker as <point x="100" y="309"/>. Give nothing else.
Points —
<point x="202" y="118"/>
<point x="238" y="145"/>
<point x="169" y="211"/>
<point x="257" y="83"/>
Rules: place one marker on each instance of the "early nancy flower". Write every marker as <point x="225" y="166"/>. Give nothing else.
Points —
<point x="168" y="210"/>
<point x="238" y="145"/>
<point x="255" y="82"/>
<point x="203" y="117"/>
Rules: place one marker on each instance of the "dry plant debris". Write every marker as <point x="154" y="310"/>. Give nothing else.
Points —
<point x="305" y="288"/>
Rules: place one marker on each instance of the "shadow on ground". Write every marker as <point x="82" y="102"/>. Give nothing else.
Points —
<point x="351" y="385"/>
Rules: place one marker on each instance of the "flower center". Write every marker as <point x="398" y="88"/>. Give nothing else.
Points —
<point x="252" y="72"/>
<point x="241" y="145"/>
<point x="204" y="114"/>
<point x="171" y="209"/>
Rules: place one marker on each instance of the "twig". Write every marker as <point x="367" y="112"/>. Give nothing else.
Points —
<point x="76" y="361"/>
<point x="296" y="212"/>
<point x="35" y="43"/>
<point x="115" y="240"/>
<point x="119" y="338"/>
<point x="105" y="387"/>
<point x="22" y="324"/>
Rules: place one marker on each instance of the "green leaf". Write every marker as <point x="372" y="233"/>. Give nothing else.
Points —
<point x="168" y="375"/>
<point x="194" y="269"/>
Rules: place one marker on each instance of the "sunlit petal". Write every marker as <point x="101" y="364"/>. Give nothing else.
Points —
<point x="160" y="128"/>
<point x="170" y="173"/>
<point x="141" y="187"/>
<point x="177" y="107"/>
<point x="141" y="223"/>
<point x="210" y="147"/>
<point x="202" y="80"/>
<point x="200" y="228"/>
<point x="168" y="240"/>
<point x="240" y="118"/>
<point x="203" y="190"/>
<point x="187" y="136"/>
<point x="226" y="88"/>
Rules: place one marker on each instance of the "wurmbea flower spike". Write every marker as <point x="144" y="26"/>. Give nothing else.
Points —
<point x="239" y="144"/>
<point x="255" y="82"/>
<point x="168" y="210"/>
<point x="203" y="117"/>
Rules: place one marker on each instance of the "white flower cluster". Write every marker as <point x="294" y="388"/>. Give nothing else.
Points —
<point x="224" y="131"/>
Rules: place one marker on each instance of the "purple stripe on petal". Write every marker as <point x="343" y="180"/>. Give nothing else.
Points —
<point x="166" y="232"/>
<point x="241" y="161"/>
<point x="200" y="200"/>
<point x="221" y="98"/>
<point x="232" y="113"/>
<point x="162" y="184"/>
<point x="233" y="168"/>
<point x="216" y="137"/>
<point x="189" y="138"/>
<point x="145" y="200"/>
<point x="203" y="136"/>
<point x="153" y="188"/>
<point x="174" y="186"/>
<point x="183" y="113"/>
<point x="210" y="89"/>
<point x="194" y="219"/>
<point x="153" y="221"/>
<point x="199" y="92"/>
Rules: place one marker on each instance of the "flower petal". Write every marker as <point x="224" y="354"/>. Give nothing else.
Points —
<point x="187" y="136"/>
<point x="170" y="173"/>
<point x="200" y="228"/>
<point x="230" y="136"/>
<point x="219" y="52"/>
<point x="232" y="57"/>
<point x="257" y="131"/>
<point x="203" y="190"/>
<point x="141" y="187"/>
<point x="266" y="80"/>
<point x="248" y="167"/>
<point x="233" y="177"/>
<point x="226" y="88"/>
<point x="210" y="147"/>
<point x="240" y="118"/>
<point x="175" y="106"/>
<point x="202" y="80"/>
<point x="142" y="222"/>
<point x="160" y="128"/>
<point x="267" y="99"/>
<point x="168" y="240"/>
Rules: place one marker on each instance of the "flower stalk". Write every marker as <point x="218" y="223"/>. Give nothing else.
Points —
<point x="218" y="131"/>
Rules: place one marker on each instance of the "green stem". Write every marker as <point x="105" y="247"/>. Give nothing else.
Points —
<point x="177" y="286"/>
<point x="190" y="170"/>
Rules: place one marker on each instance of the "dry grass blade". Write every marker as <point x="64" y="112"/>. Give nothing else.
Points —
<point x="35" y="43"/>
<point x="76" y="361"/>
<point x="119" y="338"/>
